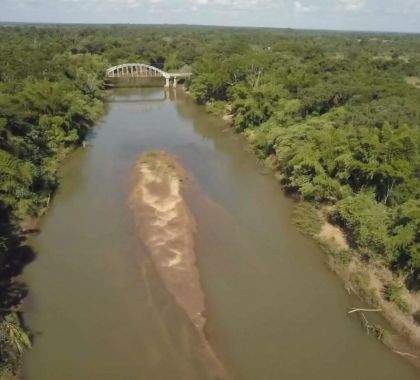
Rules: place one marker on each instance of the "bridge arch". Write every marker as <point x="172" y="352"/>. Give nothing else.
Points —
<point x="135" y="70"/>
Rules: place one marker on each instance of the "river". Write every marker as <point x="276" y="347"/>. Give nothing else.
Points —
<point x="100" y="311"/>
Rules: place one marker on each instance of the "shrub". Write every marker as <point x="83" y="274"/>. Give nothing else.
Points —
<point x="367" y="220"/>
<point x="361" y="284"/>
<point x="392" y="293"/>
<point x="216" y="108"/>
<point x="342" y="256"/>
<point x="416" y="316"/>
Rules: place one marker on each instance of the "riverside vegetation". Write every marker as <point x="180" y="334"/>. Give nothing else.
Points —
<point x="335" y="115"/>
<point x="49" y="99"/>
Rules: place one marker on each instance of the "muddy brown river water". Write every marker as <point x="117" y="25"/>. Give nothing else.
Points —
<point x="100" y="310"/>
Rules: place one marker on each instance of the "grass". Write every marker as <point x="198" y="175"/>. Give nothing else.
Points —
<point x="413" y="81"/>
<point x="307" y="219"/>
<point x="361" y="283"/>
<point x="341" y="257"/>
<point x="392" y="293"/>
<point x="216" y="108"/>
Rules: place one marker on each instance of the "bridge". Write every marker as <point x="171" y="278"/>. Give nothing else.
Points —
<point x="141" y="70"/>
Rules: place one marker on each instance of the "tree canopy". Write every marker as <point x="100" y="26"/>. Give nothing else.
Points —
<point x="336" y="114"/>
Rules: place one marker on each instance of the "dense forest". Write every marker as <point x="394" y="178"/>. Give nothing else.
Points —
<point x="49" y="100"/>
<point x="337" y="118"/>
<point x="335" y="115"/>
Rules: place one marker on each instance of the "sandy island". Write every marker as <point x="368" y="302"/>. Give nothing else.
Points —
<point x="166" y="227"/>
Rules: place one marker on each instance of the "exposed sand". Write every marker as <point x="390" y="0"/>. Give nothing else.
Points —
<point x="330" y="232"/>
<point x="166" y="227"/>
<point x="228" y="114"/>
<point x="377" y="276"/>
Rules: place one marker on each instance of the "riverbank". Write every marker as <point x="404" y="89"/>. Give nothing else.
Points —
<point x="372" y="282"/>
<point x="16" y="228"/>
<point x="368" y="281"/>
<point x="35" y="187"/>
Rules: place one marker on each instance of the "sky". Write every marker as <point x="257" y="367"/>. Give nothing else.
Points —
<point x="372" y="15"/>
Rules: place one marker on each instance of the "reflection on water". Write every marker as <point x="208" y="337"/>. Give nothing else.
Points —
<point x="100" y="311"/>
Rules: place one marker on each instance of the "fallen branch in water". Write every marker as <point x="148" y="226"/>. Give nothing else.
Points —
<point x="353" y="310"/>
<point x="406" y="354"/>
<point x="376" y="330"/>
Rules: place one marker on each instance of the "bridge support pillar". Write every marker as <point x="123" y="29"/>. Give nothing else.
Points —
<point x="175" y="82"/>
<point x="167" y="83"/>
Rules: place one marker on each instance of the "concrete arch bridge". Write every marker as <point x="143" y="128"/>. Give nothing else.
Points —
<point x="141" y="70"/>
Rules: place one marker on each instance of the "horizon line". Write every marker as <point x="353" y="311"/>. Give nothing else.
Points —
<point x="285" y="28"/>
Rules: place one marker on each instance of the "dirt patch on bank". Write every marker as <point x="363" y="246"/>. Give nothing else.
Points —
<point x="167" y="227"/>
<point x="334" y="234"/>
<point x="369" y="280"/>
<point x="413" y="81"/>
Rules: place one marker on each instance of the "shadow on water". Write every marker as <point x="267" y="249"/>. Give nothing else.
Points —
<point x="14" y="256"/>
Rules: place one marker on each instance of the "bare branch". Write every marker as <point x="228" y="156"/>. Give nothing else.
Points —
<point x="353" y="310"/>
<point x="406" y="354"/>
